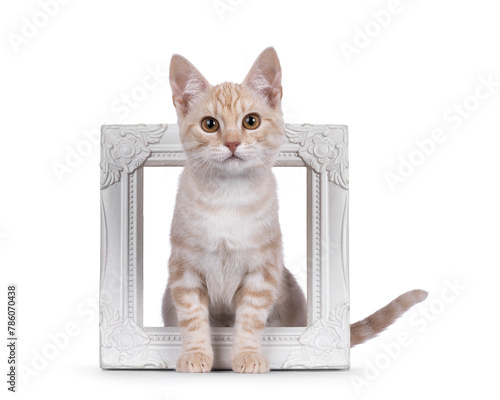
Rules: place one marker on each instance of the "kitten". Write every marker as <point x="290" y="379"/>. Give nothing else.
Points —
<point x="226" y="264"/>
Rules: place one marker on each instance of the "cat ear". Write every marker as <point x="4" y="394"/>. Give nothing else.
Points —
<point x="265" y="76"/>
<point x="187" y="83"/>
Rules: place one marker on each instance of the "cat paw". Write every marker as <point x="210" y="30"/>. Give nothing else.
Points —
<point x="249" y="362"/>
<point x="194" y="362"/>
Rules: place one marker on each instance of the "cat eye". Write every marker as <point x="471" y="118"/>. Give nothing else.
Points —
<point x="251" y="121"/>
<point x="209" y="124"/>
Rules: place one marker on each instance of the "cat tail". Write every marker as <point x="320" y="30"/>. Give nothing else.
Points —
<point x="371" y="326"/>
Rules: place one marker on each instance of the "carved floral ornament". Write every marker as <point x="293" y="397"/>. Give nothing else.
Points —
<point x="321" y="345"/>
<point x="322" y="147"/>
<point x="322" y="341"/>
<point x="126" y="342"/>
<point x="126" y="150"/>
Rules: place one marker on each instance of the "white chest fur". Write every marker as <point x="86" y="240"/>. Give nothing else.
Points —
<point x="229" y="225"/>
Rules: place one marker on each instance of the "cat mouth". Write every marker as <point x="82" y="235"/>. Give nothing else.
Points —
<point x="233" y="157"/>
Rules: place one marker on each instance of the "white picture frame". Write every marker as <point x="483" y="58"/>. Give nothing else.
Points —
<point x="126" y="344"/>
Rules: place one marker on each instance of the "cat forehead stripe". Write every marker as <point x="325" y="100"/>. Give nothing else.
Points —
<point x="229" y="96"/>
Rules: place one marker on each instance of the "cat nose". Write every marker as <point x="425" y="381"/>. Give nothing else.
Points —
<point x="232" y="146"/>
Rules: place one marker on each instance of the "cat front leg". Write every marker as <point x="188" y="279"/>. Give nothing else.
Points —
<point x="254" y="301"/>
<point x="190" y="298"/>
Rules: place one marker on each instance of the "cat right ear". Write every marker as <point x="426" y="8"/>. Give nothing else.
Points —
<point x="187" y="83"/>
<point x="265" y="77"/>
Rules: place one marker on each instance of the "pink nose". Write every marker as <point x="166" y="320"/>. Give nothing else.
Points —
<point x="232" y="146"/>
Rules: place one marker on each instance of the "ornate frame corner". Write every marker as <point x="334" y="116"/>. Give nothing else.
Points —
<point x="323" y="148"/>
<point x="125" y="148"/>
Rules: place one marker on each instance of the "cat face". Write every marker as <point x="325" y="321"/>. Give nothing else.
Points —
<point x="230" y="129"/>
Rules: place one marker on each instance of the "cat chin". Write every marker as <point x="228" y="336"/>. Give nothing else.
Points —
<point x="236" y="166"/>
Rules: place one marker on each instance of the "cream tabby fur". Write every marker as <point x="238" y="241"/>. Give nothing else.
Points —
<point x="226" y="265"/>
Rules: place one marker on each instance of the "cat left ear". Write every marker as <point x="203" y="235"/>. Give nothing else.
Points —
<point x="265" y="77"/>
<point x="187" y="83"/>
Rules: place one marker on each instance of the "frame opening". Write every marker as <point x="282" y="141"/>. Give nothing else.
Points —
<point x="159" y="192"/>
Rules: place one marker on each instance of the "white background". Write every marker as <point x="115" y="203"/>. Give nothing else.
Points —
<point x="438" y="226"/>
